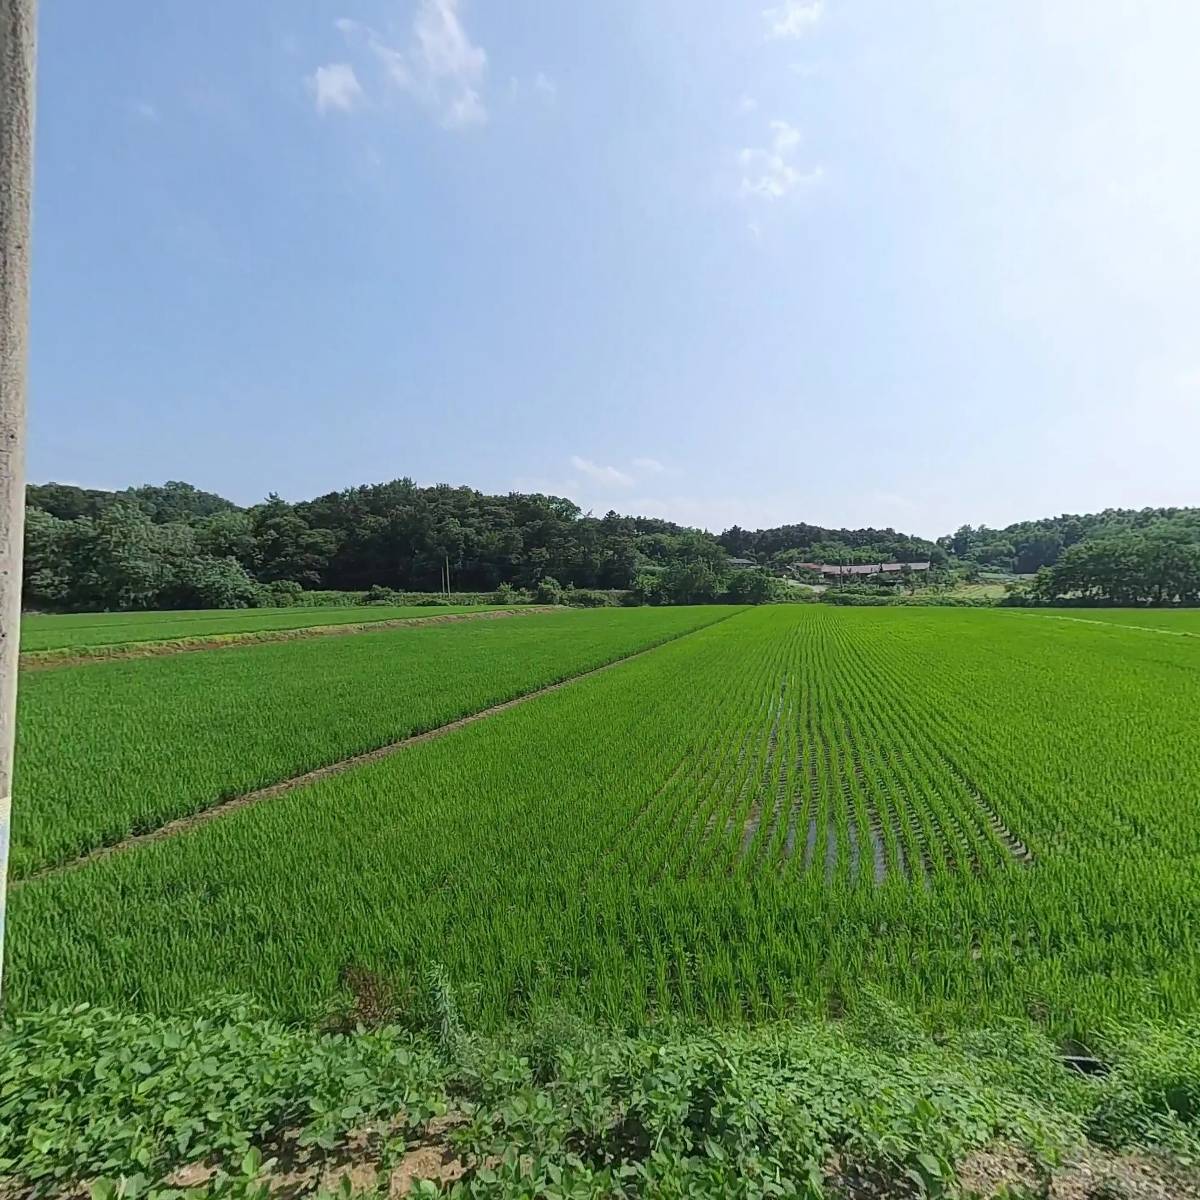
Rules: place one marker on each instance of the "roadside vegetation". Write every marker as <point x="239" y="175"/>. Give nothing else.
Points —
<point x="225" y="1101"/>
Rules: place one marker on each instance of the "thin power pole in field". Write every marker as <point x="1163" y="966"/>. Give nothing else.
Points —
<point x="17" y="56"/>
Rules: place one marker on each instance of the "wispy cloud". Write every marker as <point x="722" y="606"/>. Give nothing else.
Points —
<point x="541" y="88"/>
<point x="147" y="111"/>
<point x="746" y="105"/>
<point x="769" y="172"/>
<point x="608" y="475"/>
<point x="652" y="465"/>
<point x="335" y="87"/>
<point x="793" y="18"/>
<point x="440" y="66"/>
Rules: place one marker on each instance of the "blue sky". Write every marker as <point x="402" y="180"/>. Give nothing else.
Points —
<point x="841" y="262"/>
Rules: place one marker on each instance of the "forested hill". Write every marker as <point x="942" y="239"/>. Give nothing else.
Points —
<point x="172" y="545"/>
<point x="813" y="543"/>
<point x="398" y="535"/>
<point x="161" y="503"/>
<point x="1028" y="545"/>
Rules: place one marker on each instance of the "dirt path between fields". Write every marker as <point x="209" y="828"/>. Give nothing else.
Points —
<point x="75" y="656"/>
<point x="1184" y="633"/>
<point x="183" y="824"/>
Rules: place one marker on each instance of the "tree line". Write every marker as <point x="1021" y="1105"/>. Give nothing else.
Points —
<point x="1159" y="566"/>
<point x="1028" y="546"/>
<point x="788" y="544"/>
<point x="175" y="546"/>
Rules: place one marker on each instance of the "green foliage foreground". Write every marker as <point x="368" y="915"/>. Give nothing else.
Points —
<point x="557" y="1108"/>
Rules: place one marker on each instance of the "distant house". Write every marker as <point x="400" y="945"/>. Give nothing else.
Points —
<point x="740" y="564"/>
<point x="839" y="570"/>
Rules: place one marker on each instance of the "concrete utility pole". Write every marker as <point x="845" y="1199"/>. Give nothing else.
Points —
<point x="17" y="55"/>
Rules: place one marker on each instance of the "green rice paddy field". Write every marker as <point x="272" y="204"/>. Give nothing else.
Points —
<point x="82" y="631"/>
<point x="979" y="813"/>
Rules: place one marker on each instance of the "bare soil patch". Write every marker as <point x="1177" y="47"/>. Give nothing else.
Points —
<point x="1090" y="1173"/>
<point x="368" y="1158"/>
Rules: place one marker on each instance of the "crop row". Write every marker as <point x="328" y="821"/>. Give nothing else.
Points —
<point x="832" y="772"/>
<point x="107" y="750"/>
<point x="976" y="815"/>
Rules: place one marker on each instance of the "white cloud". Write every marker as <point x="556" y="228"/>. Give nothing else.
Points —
<point x="147" y="111"/>
<point x="542" y="88"/>
<point x="601" y="474"/>
<point x="335" y="86"/>
<point x="769" y="173"/>
<point x="746" y="105"/>
<point x="465" y="109"/>
<point x="440" y="67"/>
<point x="786" y="137"/>
<point x="597" y="487"/>
<point x="793" y="18"/>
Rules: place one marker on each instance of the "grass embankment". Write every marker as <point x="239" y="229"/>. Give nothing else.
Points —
<point x="228" y="1102"/>
<point x="755" y="821"/>
<point x="112" y="749"/>
<point x="46" y="637"/>
<point x="39" y="660"/>
<point x="978" y="591"/>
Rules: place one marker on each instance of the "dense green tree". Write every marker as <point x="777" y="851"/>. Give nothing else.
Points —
<point x="752" y="587"/>
<point x="174" y="501"/>
<point x="288" y="548"/>
<point x="1129" y="568"/>
<point x="50" y="565"/>
<point x="1038" y="544"/>
<point x="1039" y="549"/>
<point x="229" y="534"/>
<point x="548" y="591"/>
<point x="206" y="582"/>
<point x="691" y="581"/>
<point x="813" y="543"/>
<point x="123" y="560"/>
